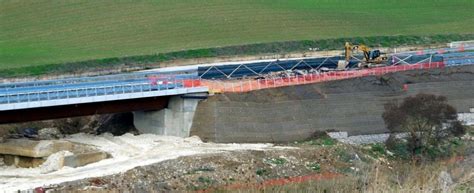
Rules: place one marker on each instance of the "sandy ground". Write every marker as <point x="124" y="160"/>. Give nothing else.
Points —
<point x="128" y="151"/>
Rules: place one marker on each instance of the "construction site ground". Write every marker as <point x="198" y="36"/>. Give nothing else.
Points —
<point x="145" y="163"/>
<point x="352" y="105"/>
<point x="322" y="162"/>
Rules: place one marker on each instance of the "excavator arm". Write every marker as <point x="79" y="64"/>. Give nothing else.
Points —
<point x="348" y="51"/>
<point x="370" y="56"/>
<point x="349" y="48"/>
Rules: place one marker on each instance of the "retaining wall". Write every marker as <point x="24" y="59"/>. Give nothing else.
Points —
<point x="296" y="112"/>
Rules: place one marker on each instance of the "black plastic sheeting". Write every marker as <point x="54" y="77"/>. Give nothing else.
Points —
<point x="238" y="70"/>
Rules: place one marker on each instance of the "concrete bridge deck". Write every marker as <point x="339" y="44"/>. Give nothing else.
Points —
<point x="80" y="91"/>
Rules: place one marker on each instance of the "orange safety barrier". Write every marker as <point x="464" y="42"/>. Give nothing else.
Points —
<point x="250" y="85"/>
<point x="461" y="48"/>
<point x="189" y="83"/>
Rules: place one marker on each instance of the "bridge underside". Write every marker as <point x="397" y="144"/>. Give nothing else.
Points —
<point x="55" y="112"/>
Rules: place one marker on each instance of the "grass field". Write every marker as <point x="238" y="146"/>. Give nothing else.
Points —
<point x="38" y="32"/>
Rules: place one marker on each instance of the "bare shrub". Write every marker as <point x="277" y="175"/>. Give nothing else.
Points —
<point x="428" y="119"/>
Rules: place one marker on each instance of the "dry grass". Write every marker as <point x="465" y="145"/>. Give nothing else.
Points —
<point x="384" y="173"/>
<point x="380" y="177"/>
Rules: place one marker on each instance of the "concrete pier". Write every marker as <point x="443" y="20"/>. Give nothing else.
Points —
<point x="174" y="120"/>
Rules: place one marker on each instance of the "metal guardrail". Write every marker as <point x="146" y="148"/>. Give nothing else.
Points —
<point x="119" y="77"/>
<point x="87" y="92"/>
<point x="440" y="50"/>
<point x="459" y="55"/>
<point x="459" y="62"/>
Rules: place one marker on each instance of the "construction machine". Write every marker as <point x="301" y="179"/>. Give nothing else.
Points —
<point x="372" y="58"/>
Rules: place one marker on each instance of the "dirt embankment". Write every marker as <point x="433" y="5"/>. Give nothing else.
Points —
<point x="295" y="112"/>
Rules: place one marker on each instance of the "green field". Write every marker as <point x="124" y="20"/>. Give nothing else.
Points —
<point x="37" y="32"/>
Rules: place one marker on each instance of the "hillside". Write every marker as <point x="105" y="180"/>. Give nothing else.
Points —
<point x="39" y="32"/>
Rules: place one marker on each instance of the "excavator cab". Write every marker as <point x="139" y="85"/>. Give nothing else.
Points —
<point x="373" y="54"/>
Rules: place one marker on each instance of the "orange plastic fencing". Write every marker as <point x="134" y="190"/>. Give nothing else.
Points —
<point x="250" y="85"/>
<point x="190" y="83"/>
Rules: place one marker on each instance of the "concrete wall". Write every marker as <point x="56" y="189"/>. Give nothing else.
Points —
<point x="296" y="112"/>
<point x="175" y="120"/>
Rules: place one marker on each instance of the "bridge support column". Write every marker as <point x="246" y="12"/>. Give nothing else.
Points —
<point x="175" y="120"/>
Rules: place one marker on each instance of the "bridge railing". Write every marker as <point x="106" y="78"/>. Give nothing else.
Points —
<point x="460" y="48"/>
<point x="67" y="81"/>
<point x="69" y="93"/>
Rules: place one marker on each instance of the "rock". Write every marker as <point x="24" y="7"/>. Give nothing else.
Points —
<point x="22" y="161"/>
<point x="31" y="148"/>
<point x="390" y="153"/>
<point x="357" y="157"/>
<point x="49" y="133"/>
<point x="29" y="133"/>
<point x="445" y="181"/>
<point x="193" y="139"/>
<point x="54" y="162"/>
<point x="84" y="159"/>
<point x="338" y="135"/>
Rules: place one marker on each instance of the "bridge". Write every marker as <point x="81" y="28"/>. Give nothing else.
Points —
<point x="175" y="91"/>
<point x="29" y="101"/>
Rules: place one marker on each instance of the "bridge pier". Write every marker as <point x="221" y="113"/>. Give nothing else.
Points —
<point x="175" y="120"/>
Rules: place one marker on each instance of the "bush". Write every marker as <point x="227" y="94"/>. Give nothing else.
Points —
<point x="392" y="141"/>
<point x="262" y="172"/>
<point x="343" y="155"/>
<point x="457" y="129"/>
<point x="276" y="161"/>
<point x="314" y="166"/>
<point x="398" y="147"/>
<point x="205" y="180"/>
<point x="428" y="119"/>
<point x="320" y="138"/>
<point x="204" y="183"/>
<point x="378" y="148"/>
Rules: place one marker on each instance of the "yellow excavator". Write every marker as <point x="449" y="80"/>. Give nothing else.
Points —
<point x="372" y="58"/>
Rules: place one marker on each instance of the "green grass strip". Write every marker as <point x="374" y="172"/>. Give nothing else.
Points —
<point x="149" y="61"/>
